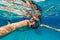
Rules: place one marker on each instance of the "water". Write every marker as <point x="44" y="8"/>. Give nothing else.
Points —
<point x="41" y="33"/>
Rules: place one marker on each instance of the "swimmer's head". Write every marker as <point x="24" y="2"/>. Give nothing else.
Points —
<point x="35" y="20"/>
<point x="34" y="23"/>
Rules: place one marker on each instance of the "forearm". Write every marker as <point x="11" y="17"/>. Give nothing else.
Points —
<point x="50" y="27"/>
<point x="11" y="27"/>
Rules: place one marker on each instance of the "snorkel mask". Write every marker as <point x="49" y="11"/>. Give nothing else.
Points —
<point x="36" y="23"/>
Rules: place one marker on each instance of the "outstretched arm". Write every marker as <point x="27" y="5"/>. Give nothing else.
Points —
<point x="11" y="27"/>
<point x="50" y="27"/>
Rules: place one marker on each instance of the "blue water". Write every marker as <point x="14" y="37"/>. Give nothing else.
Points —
<point x="41" y="33"/>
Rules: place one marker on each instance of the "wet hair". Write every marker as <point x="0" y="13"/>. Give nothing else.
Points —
<point x="24" y="1"/>
<point x="38" y="7"/>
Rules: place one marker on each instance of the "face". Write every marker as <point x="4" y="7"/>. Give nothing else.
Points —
<point x="34" y="18"/>
<point x="31" y="20"/>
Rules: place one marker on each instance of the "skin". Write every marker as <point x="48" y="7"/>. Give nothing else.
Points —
<point x="46" y="26"/>
<point x="11" y="27"/>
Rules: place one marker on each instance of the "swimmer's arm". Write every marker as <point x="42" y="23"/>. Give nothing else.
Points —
<point x="11" y="27"/>
<point x="50" y="27"/>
